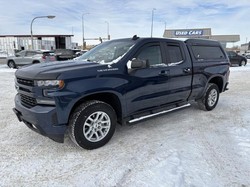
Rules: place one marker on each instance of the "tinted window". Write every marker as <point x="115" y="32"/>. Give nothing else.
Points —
<point x="48" y="53"/>
<point x="208" y="52"/>
<point x="174" y="54"/>
<point x="152" y="54"/>
<point x="231" y="53"/>
<point x="22" y="53"/>
<point x="31" y="53"/>
<point x="64" y="52"/>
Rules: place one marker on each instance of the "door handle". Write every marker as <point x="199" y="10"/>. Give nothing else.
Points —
<point x="164" y="73"/>
<point x="187" y="70"/>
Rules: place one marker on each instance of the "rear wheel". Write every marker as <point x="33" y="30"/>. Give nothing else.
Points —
<point x="210" y="98"/>
<point x="11" y="64"/>
<point x="243" y="63"/>
<point x="92" y="124"/>
<point x="36" y="62"/>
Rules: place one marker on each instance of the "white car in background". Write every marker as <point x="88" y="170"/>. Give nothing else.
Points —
<point x="247" y="55"/>
<point x="27" y="57"/>
<point x="3" y="54"/>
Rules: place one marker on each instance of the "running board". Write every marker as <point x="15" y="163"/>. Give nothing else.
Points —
<point x="159" y="113"/>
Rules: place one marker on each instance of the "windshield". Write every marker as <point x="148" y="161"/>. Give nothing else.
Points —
<point x="108" y="52"/>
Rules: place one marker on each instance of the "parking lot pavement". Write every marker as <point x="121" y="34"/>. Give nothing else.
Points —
<point x="2" y="60"/>
<point x="188" y="147"/>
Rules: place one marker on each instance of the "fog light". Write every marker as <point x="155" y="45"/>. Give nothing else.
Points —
<point x="45" y="102"/>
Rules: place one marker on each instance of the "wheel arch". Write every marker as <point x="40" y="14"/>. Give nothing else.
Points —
<point x="35" y="61"/>
<point x="110" y="98"/>
<point x="218" y="81"/>
<point x="9" y="60"/>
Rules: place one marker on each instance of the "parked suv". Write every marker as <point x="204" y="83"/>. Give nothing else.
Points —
<point x="27" y="57"/>
<point x="236" y="58"/>
<point x="64" y="54"/>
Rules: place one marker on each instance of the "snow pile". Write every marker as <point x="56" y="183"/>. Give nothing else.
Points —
<point x="188" y="147"/>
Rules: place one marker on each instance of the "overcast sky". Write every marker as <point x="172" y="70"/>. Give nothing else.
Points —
<point x="125" y="17"/>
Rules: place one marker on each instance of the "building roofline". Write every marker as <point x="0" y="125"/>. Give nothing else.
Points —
<point x="38" y="35"/>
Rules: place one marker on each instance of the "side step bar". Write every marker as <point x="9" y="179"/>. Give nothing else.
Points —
<point x="159" y="113"/>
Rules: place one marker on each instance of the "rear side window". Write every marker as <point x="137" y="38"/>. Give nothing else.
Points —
<point x="64" y="51"/>
<point x="31" y="53"/>
<point x="207" y="52"/>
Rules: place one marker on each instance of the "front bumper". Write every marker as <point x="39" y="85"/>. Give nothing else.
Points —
<point x="41" y="119"/>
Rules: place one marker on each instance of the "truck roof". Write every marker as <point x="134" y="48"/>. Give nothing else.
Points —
<point x="192" y="41"/>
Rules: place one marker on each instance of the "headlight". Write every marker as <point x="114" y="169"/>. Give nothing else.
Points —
<point x="50" y="83"/>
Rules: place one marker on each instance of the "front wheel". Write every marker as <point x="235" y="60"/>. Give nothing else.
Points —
<point x="92" y="124"/>
<point x="210" y="99"/>
<point x="11" y="64"/>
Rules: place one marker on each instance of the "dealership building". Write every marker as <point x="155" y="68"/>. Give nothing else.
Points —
<point x="12" y="43"/>
<point x="205" y="33"/>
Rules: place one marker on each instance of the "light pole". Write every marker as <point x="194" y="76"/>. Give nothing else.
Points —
<point x="108" y="30"/>
<point x="31" y="32"/>
<point x="152" y="23"/>
<point x="83" y="40"/>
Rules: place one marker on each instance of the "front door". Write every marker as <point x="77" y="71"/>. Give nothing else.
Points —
<point x="148" y="87"/>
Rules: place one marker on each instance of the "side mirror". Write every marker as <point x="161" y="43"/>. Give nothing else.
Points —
<point x="137" y="63"/>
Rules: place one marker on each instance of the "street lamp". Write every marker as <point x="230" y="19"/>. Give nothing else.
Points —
<point x="152" y="21"/>
<point x="49" y="17"/>
<point x="83" y="40"/>
<point x="108" y="29"/>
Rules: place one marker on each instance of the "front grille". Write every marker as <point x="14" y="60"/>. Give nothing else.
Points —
<point x="28" y="101"/>
<point x="25" y="82"/>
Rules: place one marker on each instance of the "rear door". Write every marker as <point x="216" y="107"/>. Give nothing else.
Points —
<point x="28" y="57"/>
<point x="180" y="72"/>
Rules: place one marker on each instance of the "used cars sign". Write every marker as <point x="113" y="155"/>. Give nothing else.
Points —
<point x="189" y="33"/>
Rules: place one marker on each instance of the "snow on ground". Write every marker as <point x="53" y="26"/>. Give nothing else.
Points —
<point x="188" y="147"/>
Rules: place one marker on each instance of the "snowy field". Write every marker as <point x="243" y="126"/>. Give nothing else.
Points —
<point x="189" y="147"/>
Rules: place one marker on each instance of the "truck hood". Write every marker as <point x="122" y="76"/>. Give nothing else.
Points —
<point x="52" y="70"/>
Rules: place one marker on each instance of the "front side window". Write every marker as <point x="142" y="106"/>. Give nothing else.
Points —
<point x="20" y="54"/>
<point x="152" y="54"/>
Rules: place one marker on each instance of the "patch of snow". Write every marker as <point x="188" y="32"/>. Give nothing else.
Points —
<point x="187" y="147"/>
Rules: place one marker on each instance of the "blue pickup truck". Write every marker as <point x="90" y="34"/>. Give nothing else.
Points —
<point x="119" y="81"/>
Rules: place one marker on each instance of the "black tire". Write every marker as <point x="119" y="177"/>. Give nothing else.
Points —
<point x="11" y="64"/>
<point x="36" y="62"/>
<point x="210" y="98"/>
<point x="243" y="63"/>
<point x="92" y="124"/>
